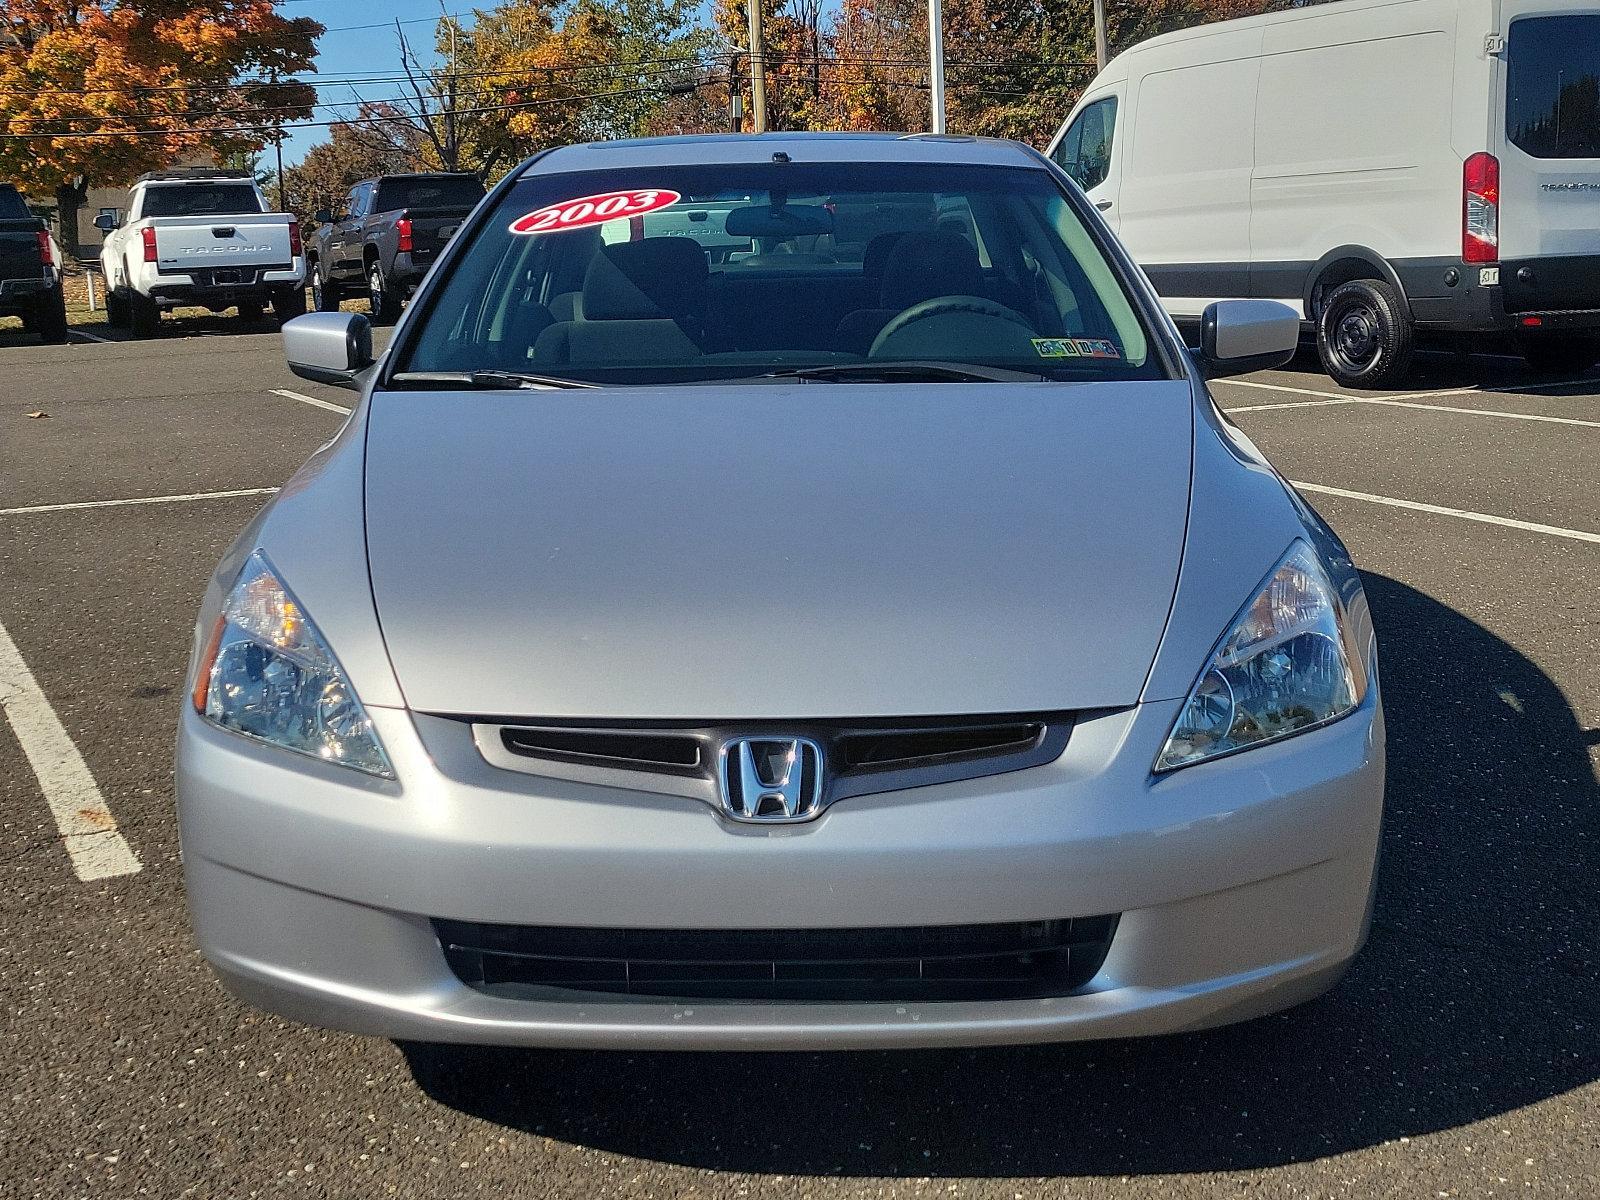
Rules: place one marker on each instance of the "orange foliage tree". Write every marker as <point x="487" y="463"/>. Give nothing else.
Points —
<point x="97" y="91"/>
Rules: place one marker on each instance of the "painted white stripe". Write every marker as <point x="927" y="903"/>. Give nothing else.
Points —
<point x="1299" y="391"/>
<point x="88" y="830"/>
<point x="93" y="337"/>
<point x="45" y="508"/>
<point x="312" y="400"/>
<point x="1288" y="404"/>
<point x="1481" y="412"/>
<point x="1416" y="506"/>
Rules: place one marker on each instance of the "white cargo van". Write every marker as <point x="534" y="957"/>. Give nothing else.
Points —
<point x="1383" y="166"/>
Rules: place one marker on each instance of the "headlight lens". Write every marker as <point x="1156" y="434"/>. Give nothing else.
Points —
<point x="1284" y="666"/>
<point x="268" y="674"/>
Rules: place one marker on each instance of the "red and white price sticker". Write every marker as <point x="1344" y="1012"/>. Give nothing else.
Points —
<point x="592" y="210"/>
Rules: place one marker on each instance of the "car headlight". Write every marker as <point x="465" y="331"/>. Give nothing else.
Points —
<point x="267" y="673"/>
<point x="1284" y="666"/>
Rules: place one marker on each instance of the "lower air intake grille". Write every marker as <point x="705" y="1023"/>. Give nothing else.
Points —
<point x="1019" y="960"/>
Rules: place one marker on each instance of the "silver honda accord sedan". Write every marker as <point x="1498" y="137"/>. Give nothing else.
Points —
<point x="783" y="592"/>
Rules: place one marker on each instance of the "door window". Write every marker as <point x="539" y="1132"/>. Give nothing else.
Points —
<point x="1553" y="86"/>
<point x="1085" y="150"/>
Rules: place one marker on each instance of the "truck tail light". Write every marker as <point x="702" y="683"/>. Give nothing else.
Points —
<point x="1480" y="209"/>
<point x="148" y="234"/>
<point x="47" y="257"/>
<point x="402" y="229"/>
<point x="296" y="246"/>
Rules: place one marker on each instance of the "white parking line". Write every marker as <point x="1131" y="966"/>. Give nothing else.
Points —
<point x="88" y="830"/>
<point x="1299" y="391"/>
<point x="312" y="400"/>
<point x="93" y="337"/>
<point x="1465" y="515"/>
<point x="1404" y="400"/>
<point x="45" y="508"/>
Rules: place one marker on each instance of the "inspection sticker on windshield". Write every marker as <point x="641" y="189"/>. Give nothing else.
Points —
<point x="593" y="210"/>
<point x="1056" y="348"/>
<point x="1096" y="348"/>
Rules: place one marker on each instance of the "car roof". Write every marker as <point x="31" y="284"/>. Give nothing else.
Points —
<point x="733" y="148"/>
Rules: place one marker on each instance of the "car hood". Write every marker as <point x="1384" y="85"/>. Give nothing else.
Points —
<point x="776" y="551"/>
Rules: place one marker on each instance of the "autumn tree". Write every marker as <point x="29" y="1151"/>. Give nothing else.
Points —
<point x="379" y="140"/>
<point x="97" y="91"/>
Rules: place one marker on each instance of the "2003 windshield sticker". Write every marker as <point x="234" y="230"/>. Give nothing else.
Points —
<point x="593" y="210"/>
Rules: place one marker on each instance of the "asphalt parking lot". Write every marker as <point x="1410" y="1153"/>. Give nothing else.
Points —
<point x="1460" y="1057"/>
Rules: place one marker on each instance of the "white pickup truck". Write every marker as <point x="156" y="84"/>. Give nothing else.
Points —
<point x="203" y="238"/>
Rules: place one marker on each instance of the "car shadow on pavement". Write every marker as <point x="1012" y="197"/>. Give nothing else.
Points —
<point x="1438" y="367"/>
<point x="1474" y="996"/>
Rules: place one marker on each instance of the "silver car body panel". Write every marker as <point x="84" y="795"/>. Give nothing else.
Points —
<point x="725" y="551"/>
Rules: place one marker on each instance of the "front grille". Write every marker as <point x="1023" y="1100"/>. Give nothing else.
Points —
<point x="1012" y="961"/>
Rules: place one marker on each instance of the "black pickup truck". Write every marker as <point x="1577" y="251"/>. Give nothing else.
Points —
<point x="30" y="270"/>
<point x="390" y="232"/>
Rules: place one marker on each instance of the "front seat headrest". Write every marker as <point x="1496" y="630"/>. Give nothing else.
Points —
<point x="654" y="279"/>
<point x="924" y="265"/>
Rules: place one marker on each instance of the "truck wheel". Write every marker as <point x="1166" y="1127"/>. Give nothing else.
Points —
<point x="251" y="309"/>
<point x="324" y="293"/>
<point x="288" y="303"/>
<point x="50" y="318"/>
<point x="1561" y="355"/>
<point x="1363" y="336"/>
<point x="116" y="310"/>
<point x="144" y="315"/>
<point x="386" y="302"/>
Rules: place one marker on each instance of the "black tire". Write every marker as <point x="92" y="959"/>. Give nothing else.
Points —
<point x="144" y="315"/>
<point x="289" y="303"/>
<point x="116" y="310"/>
<point x="325" y="296"/>
<point x="252" y="309"/>
<point x="1364" y="337"/>
<point x="50" y="318"/>
<point x="1561" y="355"/>
<point x="384" y="301"/>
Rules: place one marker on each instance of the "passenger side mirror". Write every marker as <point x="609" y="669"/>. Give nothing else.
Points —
<point x="332" y="347"/>
<point x="322" y="216"/>
<point x="105" y="222"/>
<point x="1240" y="336"/>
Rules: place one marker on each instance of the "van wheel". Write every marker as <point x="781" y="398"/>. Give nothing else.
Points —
<point x="1561" y="355"/>
<point x="1363" y="336"/>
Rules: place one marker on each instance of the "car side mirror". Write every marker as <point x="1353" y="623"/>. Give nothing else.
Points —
<point x="331" y="347"/>
<point x="1240" y="336"/>
<point x="105" y="222"/>
<point x="322" y="216"/>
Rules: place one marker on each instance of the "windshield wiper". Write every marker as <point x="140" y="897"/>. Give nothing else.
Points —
<point x="487" y="380"/>
<point x="914" y="370"/>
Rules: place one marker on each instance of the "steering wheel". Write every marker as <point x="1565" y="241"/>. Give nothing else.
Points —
<point x="973" y="324"/>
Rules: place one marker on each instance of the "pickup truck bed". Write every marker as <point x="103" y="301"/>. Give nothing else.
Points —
<point x="30" y="272"/>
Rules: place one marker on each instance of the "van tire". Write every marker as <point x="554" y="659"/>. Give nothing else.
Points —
<point x="1364" y="338"/>
<point x="1560" y="355"/>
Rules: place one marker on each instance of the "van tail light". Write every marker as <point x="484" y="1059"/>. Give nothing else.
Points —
<point x="296" y="246"/>
<point x="1480" y="209"/>
<point x="402" y="229"/>
<point x="149" y="236"/>
<point x="47" y="257"/>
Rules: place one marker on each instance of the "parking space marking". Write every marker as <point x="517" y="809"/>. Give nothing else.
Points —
<point x="1289" y="404"/>
<point x="93" y="337"/>
<point x="1479" y="412"/>
<point x="88" y="830"/>
<point x="1299" y="391"/>
<point x="312" y="400"/>
<point x="47" y="508"/>
<point x="1439" y="510"/>
<point x="1406" y="400"/>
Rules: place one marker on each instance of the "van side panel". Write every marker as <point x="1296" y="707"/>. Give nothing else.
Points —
<point x="1353" y="142"/>
<point x="1183" y="200"/>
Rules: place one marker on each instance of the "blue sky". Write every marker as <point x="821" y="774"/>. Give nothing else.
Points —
<point x="349" y="50"/>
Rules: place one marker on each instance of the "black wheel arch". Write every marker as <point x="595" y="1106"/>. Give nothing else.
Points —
<point x="1345" y="263"/>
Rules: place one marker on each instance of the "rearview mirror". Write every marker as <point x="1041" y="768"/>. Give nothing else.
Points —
<point x="795" y="220"/>
<point x="332" y="347"/>
<point x="105" y="222"/>
<point x="1240" y="336"/>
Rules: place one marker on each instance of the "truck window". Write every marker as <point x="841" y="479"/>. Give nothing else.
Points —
<point x="200" y="200"/>
<point x="1085" y="150"/>
<point x="1553" y="86"/>
<point x="395" y="194"/>
<point x="12" y="207"/>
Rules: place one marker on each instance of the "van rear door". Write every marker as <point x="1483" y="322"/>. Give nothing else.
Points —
<point x="1550" y="158"/>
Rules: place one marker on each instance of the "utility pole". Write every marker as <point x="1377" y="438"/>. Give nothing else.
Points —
<point x="277" y="145"/>
<point x="936" y="66"/>
<point x="1100" y="34"/>
<point x="453" y="155"/>
<point x="758" y="69"/>
<point x="735" y="97"/>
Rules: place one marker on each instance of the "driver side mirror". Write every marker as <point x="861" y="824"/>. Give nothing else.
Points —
<point x="105" y="222"/>
<point x="332" y="347"/>
<point x="1240" y="336"/>
<point x="322" y="216"/>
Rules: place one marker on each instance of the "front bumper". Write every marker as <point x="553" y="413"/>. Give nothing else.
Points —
<point x="1244" y="885"/>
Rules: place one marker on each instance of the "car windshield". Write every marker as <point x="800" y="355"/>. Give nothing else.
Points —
<point x="835" y="270"/>
<point x="200" y="200"/>
<point x="443" y="192"/>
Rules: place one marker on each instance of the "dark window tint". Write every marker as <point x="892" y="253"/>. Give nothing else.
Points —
<point x="12" y="207"/>
<point x="1553" y="86"/>
<point x="395" y="194"/>
<point x="1085" y="150"/>
<point x="200" y="199"/>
